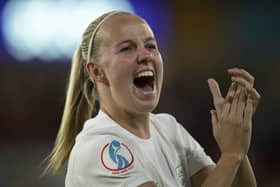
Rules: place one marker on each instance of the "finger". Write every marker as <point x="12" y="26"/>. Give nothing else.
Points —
<point x="248" y="112"/>
<point x="218" y="99"/>
<point x="231" y="91"/>
<point x="234" y="105"/>
<point x="226" y="107"/>
<point x="241" y="104"/>
<point x="255" y="97"/>
<point x="254" y="93"/>
<point x="232" y="98"/>
<point x="228" y="99"/>
<point x="215" y="90"/>
<point x="242" y="81"/>
<point x="243" y="73"/>
<point x="238" y="92"/>
<point x="214" y="118"/>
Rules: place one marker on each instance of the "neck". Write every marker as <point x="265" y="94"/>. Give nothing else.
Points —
<point x="137" y="124"/>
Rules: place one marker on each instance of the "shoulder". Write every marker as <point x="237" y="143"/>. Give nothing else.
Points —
<point x="96" y="127"/>
<point x="95" y="148"/>
<point x="167" y="122"/>
<point x="100" y="155"/>
<point x="170" y="127"/>
<point x="164" y="119"/>
<point x="163" y="116"/>
<point x="88" y="150"/>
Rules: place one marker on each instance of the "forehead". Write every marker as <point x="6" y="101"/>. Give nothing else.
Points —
<point x="125" y="27"/>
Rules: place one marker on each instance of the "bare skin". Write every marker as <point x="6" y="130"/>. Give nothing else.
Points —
<point x="232" y="124"/>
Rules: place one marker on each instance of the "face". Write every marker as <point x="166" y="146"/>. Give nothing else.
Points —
<point x="131" y="63"/>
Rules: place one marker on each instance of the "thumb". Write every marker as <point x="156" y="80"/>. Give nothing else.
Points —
<point x="214" y="118"/>
<point x="215" y="90"/>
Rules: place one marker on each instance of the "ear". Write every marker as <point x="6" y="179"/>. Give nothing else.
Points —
<point x="96" y="73"/>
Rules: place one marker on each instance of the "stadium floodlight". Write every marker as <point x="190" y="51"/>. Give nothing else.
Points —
<point x="50" y="30"/>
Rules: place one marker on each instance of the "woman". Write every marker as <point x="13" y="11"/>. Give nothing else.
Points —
<point x="118" y="65"/>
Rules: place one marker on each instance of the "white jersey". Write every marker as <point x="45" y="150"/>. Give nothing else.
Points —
<point x="107" y="155"/>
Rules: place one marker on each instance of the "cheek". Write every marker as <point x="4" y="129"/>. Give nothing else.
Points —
<point x="118" y="74"/>
<point x="159" y="65"/>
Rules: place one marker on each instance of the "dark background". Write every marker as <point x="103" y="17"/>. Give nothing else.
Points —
<point x="197" y="41"/>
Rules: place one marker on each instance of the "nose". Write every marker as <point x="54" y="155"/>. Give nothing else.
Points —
<point x="144" y="56"/>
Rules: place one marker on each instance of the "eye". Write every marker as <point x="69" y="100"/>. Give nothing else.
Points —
<point x="125" y="49"/>
<point x="151" y="46"/>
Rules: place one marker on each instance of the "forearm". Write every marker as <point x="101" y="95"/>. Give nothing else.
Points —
<point x="224" y="173"/>
<point x="245" y="176"/>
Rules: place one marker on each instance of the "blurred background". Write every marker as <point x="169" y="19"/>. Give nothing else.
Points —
<point x="198" y="40"/>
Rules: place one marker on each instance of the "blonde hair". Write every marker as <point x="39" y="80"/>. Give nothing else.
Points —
<point x="81" y="96"/>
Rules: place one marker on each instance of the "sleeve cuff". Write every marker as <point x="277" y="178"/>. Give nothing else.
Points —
<point x="202" y="163"/>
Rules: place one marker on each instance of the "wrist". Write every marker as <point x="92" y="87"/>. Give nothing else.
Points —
<point x="232" y="157"/>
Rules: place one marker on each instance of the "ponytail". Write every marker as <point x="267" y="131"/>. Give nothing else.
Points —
<point x="78" y="108"/>
<point x="81" y="96"/>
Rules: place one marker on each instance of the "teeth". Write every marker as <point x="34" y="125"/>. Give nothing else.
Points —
<point x="147" y="73"/>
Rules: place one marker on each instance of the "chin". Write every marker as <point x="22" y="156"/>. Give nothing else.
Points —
<point x="146" y="107"/>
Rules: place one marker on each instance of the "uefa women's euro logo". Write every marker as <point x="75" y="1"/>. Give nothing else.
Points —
<point x="116" y="157"/>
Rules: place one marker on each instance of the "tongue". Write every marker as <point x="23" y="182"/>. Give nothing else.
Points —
<point x="146" y="88"/>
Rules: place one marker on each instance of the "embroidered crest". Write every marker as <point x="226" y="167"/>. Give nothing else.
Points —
<point x="181" y="176"/>
<point x="117" y="157"/>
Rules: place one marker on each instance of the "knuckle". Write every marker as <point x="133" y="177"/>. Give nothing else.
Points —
<point x="259" y="97"/>
<point x="245" y="72"/>
<point x="238" y="94"/>
<point x="234" y="121"/>
<point x="247" y="110"/>
<point x="219" y="103"/>
<point x="238" y="121"/>
<point x="230" y="120"/>
<point x="223" y="118"/>
<point x="253" y="79"/>
<point x="229" y="98"/>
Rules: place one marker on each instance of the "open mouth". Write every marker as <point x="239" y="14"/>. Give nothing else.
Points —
<point x="144" y="80"/>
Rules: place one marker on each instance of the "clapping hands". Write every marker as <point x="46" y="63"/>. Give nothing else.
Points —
<point x="232" y="117"/>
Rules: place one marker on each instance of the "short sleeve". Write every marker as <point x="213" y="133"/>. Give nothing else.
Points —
<point x="192" y="153"/>
<point x="104" y="161"/>
<point x="196" y="156"/>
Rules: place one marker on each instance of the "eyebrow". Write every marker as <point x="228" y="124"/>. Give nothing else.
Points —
<point x="130" y="41"/>
<point x="149" y="39"/>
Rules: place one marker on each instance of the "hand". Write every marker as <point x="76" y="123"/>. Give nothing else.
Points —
<point x="242" y="78"/>
<point x="245" y="79"/>
<point x="233" y="131"/>
<point x="228" y="111"/>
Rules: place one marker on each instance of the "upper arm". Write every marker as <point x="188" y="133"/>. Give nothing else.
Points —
<point x="200" y="165"/>
<point x="199" y="177"/>
<point x="106" y="161"/>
